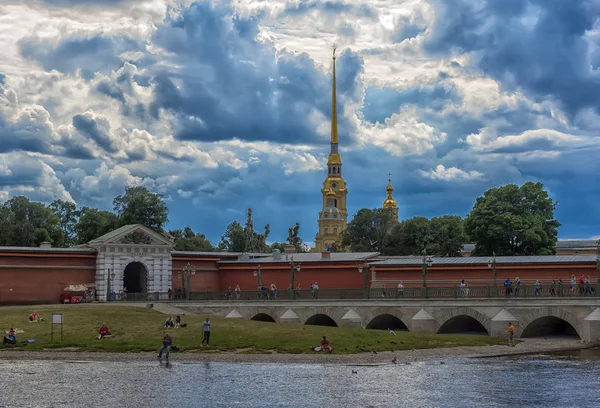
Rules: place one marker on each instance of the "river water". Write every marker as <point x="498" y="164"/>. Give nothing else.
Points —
<point x="561" y="380"/>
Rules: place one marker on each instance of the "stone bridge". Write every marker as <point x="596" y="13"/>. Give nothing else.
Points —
<point x="531" y="317"/>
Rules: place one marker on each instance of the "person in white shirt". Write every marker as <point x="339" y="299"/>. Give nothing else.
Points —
<point x="400" y="289"/>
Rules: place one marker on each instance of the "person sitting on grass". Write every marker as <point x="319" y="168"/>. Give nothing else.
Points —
<point x="104" y="332"/>
<point x="10" y="337"/>
<point x="169" y="323"/>
<point x="325" y="346"/>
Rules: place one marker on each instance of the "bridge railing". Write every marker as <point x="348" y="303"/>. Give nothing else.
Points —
<point x="433" y="292"/>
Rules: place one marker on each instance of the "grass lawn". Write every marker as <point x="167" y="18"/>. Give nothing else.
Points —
<point x="140" y="329"/>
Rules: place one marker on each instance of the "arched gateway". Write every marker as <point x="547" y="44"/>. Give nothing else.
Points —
<point x="135" y="278"/>
<point x="133" y="257"/>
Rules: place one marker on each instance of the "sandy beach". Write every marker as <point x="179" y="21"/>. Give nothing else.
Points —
<point x="530" y="346"/>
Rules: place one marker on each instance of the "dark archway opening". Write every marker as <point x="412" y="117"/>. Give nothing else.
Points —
<point x="321" y="320"/>
<point x="135" y="278"/>
<point x="463" y="324"/>
<point x="387" y="321"/>
<point x="549" y="326"/>
<point x="263" y="317"/>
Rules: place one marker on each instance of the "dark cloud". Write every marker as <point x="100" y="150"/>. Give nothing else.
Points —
<point x="381" y="103"/>
<point x="406" y="27"/>
<point x="2" y="78"/>
<point x="21" y="136"/>
<point x="89" y="55"/>
<point x="535" y="45"/>
<point x="88" y="126"/>
<point x="109" y="89"/>
<point x="235" y="87"/>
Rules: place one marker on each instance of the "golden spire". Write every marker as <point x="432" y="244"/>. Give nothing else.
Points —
<point x="334" y="156"/>
<point x="389" y="201"/>
<point x="334" y="128"/>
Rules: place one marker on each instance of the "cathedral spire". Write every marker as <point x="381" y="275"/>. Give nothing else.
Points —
<point x="334" y="157"/>
<point x="334" y="127"/>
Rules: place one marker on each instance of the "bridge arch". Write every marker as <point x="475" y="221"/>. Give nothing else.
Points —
<point x="549" y="322"/>
<point x="320" y="319"/>
<point x="463" y="320"/>
<point x="387" y="321"/>
<point x="263" y="317"/>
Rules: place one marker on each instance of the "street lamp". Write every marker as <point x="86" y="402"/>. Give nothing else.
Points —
<point x="257" y="274"/>
<point x="597" y="267"/>
<point x="492" y="266"/>
<point x="108" y="285"/>
<point x="186" y="280"/>
<point x="427" y="262"/>
<point x="364" y="269"/>
<point x="293" y="268"/>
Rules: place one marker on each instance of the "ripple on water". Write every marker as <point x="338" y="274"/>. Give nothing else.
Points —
<point x="460" y="382"/>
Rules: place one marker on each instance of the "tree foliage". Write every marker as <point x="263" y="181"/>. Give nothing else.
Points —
<point x="368" y="230"/>
<point x="513" y="220"/>
<point x="29" y="223"/>
<point x="67" y="213"/>
<point x="140" y="206"/>
<point x="94" y="223"/>
<point x="188" y="240"/>
<point x="244" y="239"/>
<point x="234" y="239"/>
<point x="440" y="236"/>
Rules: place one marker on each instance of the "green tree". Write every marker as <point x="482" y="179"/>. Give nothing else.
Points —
<point x="29" y="223"/>
<point x="294" y="238"/>
<point x="67" y="213"/>
<point x="278" y="245"/>
<point x="441" y="236"/>
<point x="513" y="220"/>
<point x="234" y="238"/>
<point x="368" y="230"/>
<point x="140" y="206"/>
<point x="448" y="233"/>
<point x="410" y="237"/>
<point x="244" y="239"/>
<point x="94" y="223"/>
<point x="188" y="240"/>
<point x="6" y="225"/>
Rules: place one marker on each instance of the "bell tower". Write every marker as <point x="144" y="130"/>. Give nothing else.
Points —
<point x="333" y="216"/>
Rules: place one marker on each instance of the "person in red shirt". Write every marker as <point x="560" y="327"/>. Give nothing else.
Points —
<point x="103" y="331"/>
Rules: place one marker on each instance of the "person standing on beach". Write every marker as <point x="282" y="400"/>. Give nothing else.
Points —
<point x="206" y="329"/>
<point x="166" y="346"/>
<point x="511" y="334"/>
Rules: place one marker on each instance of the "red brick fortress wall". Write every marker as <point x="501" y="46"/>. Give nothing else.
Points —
<point x="39" y="276"/>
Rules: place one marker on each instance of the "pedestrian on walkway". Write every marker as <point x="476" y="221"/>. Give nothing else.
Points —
<point x="206" y="329"/>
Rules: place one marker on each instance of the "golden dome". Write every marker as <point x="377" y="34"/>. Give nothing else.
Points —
<point x="389" y="201"/>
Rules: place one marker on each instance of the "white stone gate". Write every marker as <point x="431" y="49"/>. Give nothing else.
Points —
<point x="132" y="243"/>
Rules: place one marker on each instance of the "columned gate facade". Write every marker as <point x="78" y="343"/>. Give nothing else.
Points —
<point x="132" y="255"/>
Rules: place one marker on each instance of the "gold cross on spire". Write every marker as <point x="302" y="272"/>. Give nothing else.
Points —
<point x="334" y="48"/>
<point x="389" y="178"/>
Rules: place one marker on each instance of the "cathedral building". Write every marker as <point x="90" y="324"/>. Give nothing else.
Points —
<point x="333" y="217"/>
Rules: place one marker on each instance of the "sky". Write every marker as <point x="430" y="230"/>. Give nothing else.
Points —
<point x="221" y="106"/>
